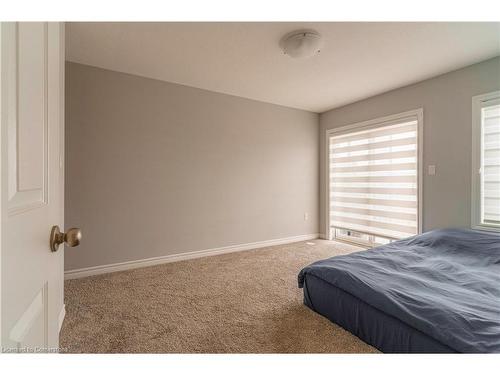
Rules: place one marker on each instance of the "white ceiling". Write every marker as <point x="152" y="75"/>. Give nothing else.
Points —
<point x="358" y="59"/>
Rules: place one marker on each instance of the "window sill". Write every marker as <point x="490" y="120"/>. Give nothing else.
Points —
<point x="488" y="228"/>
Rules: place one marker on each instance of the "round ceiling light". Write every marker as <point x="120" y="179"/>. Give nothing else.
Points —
<point x="301" y="43"/>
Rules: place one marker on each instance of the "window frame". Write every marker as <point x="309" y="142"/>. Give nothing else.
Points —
<point x="478" y="102"/>
<point x="374" y="123"/>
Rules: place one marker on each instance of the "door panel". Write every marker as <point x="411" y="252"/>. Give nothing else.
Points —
<point x="30" y="331"/>
<point x="32" y="108"/>
<point x="32" y="76"/>
<point x="28" y="128"/>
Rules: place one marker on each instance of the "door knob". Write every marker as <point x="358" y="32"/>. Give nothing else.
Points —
<point x="72" y="237"/>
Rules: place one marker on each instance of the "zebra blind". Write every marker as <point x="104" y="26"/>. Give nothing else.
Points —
<point x="374" y="180"/>
<point x="491" y="164"/>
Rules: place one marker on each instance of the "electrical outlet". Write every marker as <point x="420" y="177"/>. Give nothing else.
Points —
<point x="306" y="216"/>
<point x="432" y="170"/>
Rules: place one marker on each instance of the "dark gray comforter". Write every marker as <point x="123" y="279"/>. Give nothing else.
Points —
<point x="445" y="283"/>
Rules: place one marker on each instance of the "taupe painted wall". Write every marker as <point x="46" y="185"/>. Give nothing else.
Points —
<point x="154" y="168"/>
<point x="446" y="101"/>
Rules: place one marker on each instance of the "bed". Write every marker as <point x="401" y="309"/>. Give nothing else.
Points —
<point x="438" y="292"/>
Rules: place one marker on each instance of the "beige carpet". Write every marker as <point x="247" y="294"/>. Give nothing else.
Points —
<point x="245" y="302"/>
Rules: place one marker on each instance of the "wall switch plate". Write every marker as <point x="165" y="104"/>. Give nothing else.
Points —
<point x="306" y="216"/>
<point x="432" y="170"/>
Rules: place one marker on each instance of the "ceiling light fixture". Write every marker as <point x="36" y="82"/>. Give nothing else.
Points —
<point x="301" y="43"/>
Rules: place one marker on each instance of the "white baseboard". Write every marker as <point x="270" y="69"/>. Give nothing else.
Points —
<point x="97" y="270"/>
<point x="62" y="314"/>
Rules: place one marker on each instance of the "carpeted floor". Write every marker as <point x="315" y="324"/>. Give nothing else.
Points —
<point x="245" y="302"/>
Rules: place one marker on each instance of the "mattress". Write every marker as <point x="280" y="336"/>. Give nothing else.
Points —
<point x="384" y="332"/>
<point x="436" y="292"/>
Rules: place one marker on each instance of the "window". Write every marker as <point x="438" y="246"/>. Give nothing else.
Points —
<point x="486" y="161"/>
<point x="374" y="180"/>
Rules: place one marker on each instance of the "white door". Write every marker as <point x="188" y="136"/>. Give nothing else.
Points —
<point x="32" y="184"/>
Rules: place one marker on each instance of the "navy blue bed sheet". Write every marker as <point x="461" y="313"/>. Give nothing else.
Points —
<point x="444" y="283"/>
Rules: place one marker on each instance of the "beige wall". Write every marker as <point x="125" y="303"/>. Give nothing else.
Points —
<point x="446" y="101"/>
<point x="154" y="168"/>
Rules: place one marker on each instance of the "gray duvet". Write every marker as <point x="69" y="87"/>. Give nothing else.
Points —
<point x="444" y="283"/>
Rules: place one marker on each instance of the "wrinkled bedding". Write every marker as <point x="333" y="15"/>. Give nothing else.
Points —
<point x="444" y="283"/>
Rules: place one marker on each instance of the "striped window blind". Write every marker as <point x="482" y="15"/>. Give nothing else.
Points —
<point x="491" y="164"/>
<point x="374" y="180"/>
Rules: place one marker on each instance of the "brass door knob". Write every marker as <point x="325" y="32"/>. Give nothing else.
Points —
<point x="72" y="237"/>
